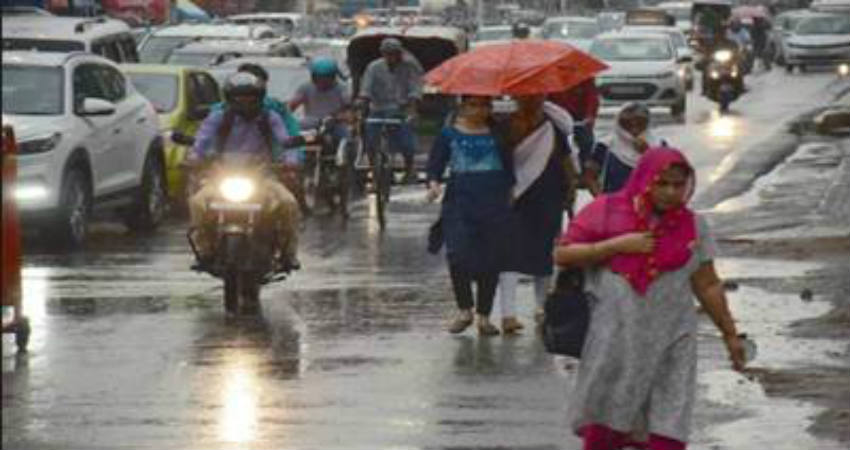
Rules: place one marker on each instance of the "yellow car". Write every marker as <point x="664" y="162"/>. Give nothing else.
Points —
<point x="182" y="97"/>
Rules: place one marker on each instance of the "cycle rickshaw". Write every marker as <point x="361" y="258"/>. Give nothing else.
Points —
<point x="431" y="46"/>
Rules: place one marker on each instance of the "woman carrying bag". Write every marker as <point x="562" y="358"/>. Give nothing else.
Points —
<point x="645" y="255"/>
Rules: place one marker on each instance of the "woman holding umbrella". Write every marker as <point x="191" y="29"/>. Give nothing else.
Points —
<point x="527" y="70"/>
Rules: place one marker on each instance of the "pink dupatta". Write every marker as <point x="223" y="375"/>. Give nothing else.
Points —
<point x="630" y="210"/>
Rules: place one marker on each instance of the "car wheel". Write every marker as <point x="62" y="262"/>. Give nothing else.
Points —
<point x="150" y="205"/>
<point x="72" y="221"/>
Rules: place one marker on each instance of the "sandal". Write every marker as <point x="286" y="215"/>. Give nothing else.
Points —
<point x="510" y="325"/>
<point x="461" y="323"/>
<point x="487" y="329"/>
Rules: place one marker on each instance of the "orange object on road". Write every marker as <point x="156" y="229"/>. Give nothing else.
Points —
<point x="11" y="250"/>
<point x="520" y="67"/>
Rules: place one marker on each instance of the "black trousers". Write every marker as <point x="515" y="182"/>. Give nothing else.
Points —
<point x="462" y="285"/>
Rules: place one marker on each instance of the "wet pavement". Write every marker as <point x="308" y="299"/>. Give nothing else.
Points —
<point x="131" y="350"/>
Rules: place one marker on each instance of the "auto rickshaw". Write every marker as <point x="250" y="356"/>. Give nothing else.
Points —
<point x="708" y="17"/>
<point x="650" y="17"/>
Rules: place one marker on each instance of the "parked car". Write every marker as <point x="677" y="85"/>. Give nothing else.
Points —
<point x="684" y="52"/>
<point x="831" y="6"/>
<point x="577" y="31"/>
<point x="212" y="52"/>
<point x="156" y="47"/>
<point x="285" y="74"/>
<point x="109" y="38"/>
<point x="87" y="139"/>
<point x="182" y="97"/>
<point x="783" y="28"/>
<point x="642" y="67"/>
<point x="820" y="39"/>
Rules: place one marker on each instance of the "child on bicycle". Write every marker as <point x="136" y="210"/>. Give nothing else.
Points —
<point x="476" y="208"/>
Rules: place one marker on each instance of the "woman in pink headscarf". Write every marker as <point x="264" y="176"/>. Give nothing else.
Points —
<point x="645" y="255"/>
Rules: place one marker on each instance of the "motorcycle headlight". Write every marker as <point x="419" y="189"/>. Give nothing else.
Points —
<point x="683" y="73"/>
<point x="39" y="145"/>
<point x="715" y="74"/>
<point x="844" y="69"/>
<point x="723" y="56"/>
<point x="236" y="189"/>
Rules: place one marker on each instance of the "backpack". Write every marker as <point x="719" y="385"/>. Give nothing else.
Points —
<point x="227" y="126"/>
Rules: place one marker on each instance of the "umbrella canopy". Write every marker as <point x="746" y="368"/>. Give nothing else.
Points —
<point x="751" y="12"/>
<point x="520" y="67"/>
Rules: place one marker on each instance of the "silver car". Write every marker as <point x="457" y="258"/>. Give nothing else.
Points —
<point x="821" y="39"/>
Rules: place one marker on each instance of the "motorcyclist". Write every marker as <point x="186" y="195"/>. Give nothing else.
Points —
<point x="722" y="41"/>
<point x="739" y="33"/>
<point x="323" y="96"/>
<point x="392" y="88"/>
<point x="243" y="125"/>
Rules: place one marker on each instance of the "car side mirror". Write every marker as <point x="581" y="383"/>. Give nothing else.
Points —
<point x="92" y="106"/>
<point x="199" y="112"/>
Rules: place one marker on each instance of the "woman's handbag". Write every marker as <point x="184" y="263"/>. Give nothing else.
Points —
<point x="566" y="315"/>
<point x="436" y="238"/>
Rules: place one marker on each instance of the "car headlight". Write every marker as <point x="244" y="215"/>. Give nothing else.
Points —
<point x="39" y="145"/>
<point x="236" y="189"/>
<point x="30" y="192"/>
<point x="723" y="56"/>
<point x="844" y="69"/>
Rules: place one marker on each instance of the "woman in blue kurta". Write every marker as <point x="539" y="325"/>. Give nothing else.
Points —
<point x="476" y="209"/>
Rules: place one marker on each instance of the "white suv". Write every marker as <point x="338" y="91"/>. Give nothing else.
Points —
<point x="86" y="138"/>
<point x="109" y="38"/>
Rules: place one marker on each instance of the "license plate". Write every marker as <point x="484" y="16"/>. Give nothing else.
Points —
<point x="626" y="90"/>
<point x="219" y="206"/>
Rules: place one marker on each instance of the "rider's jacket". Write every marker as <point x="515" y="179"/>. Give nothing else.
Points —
<point x="320" y="104"/>
<point x="391" y="89"/>
<point x="225" y="131"/>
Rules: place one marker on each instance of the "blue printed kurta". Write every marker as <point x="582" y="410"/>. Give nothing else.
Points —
<point x="476" y="206"/>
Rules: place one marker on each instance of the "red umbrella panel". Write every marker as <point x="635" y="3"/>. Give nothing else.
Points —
<point x="520" y="67"/>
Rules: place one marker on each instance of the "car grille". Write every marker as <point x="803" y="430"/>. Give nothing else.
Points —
<point x="628" y="91"/>
<point x="821" y="47"/>
<point x="805" y="57"/>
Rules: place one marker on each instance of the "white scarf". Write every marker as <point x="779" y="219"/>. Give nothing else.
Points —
<point x="622" y="144"/>
<point x="532" y="154"/>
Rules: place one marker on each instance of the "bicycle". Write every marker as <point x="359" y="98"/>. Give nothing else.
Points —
<point x="380" y="165"/>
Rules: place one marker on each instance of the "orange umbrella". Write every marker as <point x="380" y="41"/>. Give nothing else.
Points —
<point x="520" y="67"/>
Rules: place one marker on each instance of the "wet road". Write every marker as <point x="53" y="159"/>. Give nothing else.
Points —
<point x="130" y="349"/>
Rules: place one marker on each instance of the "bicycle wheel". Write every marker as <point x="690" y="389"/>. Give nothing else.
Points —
<point x="381" y="177"/>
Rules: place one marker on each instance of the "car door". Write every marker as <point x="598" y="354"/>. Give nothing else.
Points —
<point x="100" y="141"/>
<point x="131" y="129"/>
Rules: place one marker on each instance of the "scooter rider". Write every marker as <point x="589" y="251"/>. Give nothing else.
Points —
<point x="244" y="126"/>
<point x="392" y="87"/>
<point x="323" y="96"/>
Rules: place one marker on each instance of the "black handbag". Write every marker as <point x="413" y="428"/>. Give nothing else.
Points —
<point x="566" y="315"/>
<point x="436" y="238"/>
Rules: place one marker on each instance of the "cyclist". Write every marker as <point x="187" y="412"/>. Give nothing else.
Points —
<point x="392" y="87"/>
<point x="243" y="125"/>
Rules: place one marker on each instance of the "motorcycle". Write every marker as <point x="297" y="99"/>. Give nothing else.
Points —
<point x="328" y="169"/>
<point x="725" y="79"/>
<point x="243" y="231"/>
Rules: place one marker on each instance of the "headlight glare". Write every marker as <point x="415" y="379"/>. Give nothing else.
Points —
<point x="723" y="56"/>
<point x="30" y="192"/>
<point x="844" y="69"/>
<point x="715" y="74"/>
<point x="236" y="189"/>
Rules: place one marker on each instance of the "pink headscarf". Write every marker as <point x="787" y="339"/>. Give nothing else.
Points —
<point x="630" y="210"/>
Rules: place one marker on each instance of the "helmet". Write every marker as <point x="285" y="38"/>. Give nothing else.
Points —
<point x="244" y="84"/>
<point x="520" y="30"/>
<point x="323" y="67"/>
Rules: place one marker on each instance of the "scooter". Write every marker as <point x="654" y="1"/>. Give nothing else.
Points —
<point x="725" y="79"/>
<point x="240" y="225"/>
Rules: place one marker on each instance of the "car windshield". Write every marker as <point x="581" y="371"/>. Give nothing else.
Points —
<point x="32" y="90"/>
<point x="824" y="25"/>
<point x="633" y="49"/>
<point x="191" y="59"/>
<point x="494" y="34"/>
<point x="574" y="30"/>
<point x="160" y="88"/>
<point x="157" y="49"/>
<point x="43" y="45"/>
